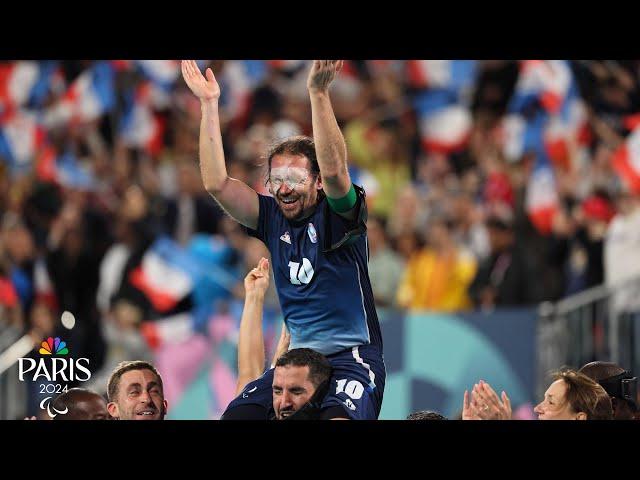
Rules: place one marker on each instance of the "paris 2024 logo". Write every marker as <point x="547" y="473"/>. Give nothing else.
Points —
<point x="53" y="371"/>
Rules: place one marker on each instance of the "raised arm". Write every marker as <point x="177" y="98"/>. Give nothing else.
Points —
<point x="283" y="345"/>
<point x="236" y="197"/>
<point x="251" y="356"/>
<point x="331" y="149"/>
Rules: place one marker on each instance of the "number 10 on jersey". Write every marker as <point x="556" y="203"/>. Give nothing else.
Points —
<point x="300" y="274"/>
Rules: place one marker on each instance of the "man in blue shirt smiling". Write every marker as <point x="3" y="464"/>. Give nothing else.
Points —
<point x="315" y="228"/>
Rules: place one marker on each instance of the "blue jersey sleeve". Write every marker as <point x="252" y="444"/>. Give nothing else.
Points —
<point x="266" y="212"/>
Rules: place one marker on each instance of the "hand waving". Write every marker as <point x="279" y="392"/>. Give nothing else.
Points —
<point x="322" y="74"/>
<point x="203" y="88"/>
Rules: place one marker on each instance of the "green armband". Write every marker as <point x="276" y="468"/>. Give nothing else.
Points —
<point x="344" y="204"/>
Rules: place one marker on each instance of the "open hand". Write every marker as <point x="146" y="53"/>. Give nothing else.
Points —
<point x="486" y="404"/>
<point x="322" y="74"/>
<point x="203" y="88"/>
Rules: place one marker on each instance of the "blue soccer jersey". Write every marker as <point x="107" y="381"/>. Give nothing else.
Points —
<point x="320" y="269"/>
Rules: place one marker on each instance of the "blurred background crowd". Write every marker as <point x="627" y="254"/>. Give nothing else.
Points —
<point x="490" y="184"/>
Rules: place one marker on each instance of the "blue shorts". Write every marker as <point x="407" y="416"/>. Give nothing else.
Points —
<point x="357" y="385"/>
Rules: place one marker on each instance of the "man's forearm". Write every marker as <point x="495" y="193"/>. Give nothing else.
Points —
<point x="212" y="164"/>
<point x="331" y="149"/>
<point x="236" y="198"/>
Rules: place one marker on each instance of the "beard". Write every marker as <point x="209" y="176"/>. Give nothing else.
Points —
<point x="292" y="206"/>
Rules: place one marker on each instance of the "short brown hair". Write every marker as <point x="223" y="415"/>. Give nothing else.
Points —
<point x="124" y="367"/>
<point x="585" y="395"/>
<point x="298" y="145"/>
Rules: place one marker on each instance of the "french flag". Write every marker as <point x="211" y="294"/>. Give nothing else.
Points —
<point x="510" y="135"/>
<point x="519" y="135"/>
<point x="26" y="83"/>
<point x="285" y="65"/>
<point x="541" y="200"/>
<point x="545" y="81"/>
<point x="568" y="130"/>
<point x="631" y="122"/>
<point x="63" y="169"/>
<point x="168" y="330"/>
<point x="626" y="161"/>
<point x="237" y="83"/>
<point x="377" y="66"/>
<point x="443" y="121"/>
<point x="163" y="73"/>
<point x="21" y="137"/>
<point x="122" y="65"/>
<point x="445" y="130"/>
<point x="454" y="75"/>
<point x="140" y="126"/>
<point x="165" y="275"/>
<point x="557" y="142"/>
<point x="563" y="130"/>
<point x="72" y="174"/>
<point x="8" y="294"/>
<point x="574" y="114"/>
<point x="90" y="96"/>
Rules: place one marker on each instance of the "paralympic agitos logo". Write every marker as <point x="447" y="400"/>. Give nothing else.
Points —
<point x="52" y="371"/>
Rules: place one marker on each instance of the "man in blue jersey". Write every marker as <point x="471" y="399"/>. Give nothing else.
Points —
<point x="314" y="227"/>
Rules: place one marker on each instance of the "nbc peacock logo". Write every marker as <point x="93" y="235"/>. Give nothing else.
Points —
<point x="53" y="347"/>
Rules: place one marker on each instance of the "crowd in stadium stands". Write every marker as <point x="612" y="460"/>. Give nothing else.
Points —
<point x="480" y="176"/>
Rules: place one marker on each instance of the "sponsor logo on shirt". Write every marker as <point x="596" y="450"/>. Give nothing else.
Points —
<point x="313" y="235"/>
<point x="286" y="238"/>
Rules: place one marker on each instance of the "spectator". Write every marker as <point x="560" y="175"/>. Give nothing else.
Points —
<point x="378" y="148"/>
<point x="136" y="393"/>
<point x="80" y="404"/>
<point x="571" y="396"/>
<point x="621" y="252"/>
<point x="21" y="255"/>
<point x="14" y="393"/>
<point x="471" y="232"/>
<point x="386" y="267"/>
<point x="504" y="278"/>
<point x="619" y="384"/>
<point x="574" y="396"/>
<point x="438" y="276"/>
<point x="73" y="267"/>
<point x="578" y="241"/>
<point x="192" y="211"/>
<point x="426" y="415"/>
